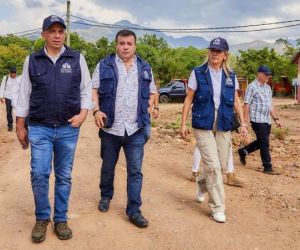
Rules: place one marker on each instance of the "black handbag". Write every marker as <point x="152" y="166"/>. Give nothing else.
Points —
<point x="235" y="123"/>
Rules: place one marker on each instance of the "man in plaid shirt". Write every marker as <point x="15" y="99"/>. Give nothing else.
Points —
<point x="258" y="104"/>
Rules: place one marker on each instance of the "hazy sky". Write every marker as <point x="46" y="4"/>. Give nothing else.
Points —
<point x="20" y="15"/>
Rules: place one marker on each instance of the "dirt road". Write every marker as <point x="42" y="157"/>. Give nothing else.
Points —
<point x="263" y="215"/>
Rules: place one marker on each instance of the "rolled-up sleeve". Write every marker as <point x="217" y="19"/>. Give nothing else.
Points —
<point x="96" y="77"/>
<point x="153" y="88"/>
<point x="22" y="107"/>
<point x="249" y="94"/>
<point x="85" y="85"/>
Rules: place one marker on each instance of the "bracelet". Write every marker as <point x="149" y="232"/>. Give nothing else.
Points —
<point x="157" y="108"/>
<point x="95" y="112"/>
<point x="276" y="119"/>
<point x="244" y="125"/>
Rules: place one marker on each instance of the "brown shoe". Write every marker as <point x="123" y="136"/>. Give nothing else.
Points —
<point x="233" y="181"/>
<point x="39" y="231"/>
<point x="194" y="176"/>
<point x="62" y="230"/>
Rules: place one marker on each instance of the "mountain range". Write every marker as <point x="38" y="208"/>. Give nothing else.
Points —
<point x="93" y="33"/>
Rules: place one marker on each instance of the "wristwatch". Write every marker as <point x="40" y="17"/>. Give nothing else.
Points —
<point x="95" y="112"/>
<point x="157" y="108"/>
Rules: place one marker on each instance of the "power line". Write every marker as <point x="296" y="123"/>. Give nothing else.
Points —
<point x="224" y="29"/>
<point x="184" y="31"/>
<point x="190" y="29"/>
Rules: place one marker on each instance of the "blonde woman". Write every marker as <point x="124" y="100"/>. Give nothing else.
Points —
<point x="212" y="89"/>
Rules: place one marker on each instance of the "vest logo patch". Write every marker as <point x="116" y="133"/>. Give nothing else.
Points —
<point x="66" y="68"/>
<point x="229" y="82"/>
<point x="146" y="75"/>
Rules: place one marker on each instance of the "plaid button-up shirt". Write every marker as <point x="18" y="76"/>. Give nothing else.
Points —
<point x="259" y="98"/>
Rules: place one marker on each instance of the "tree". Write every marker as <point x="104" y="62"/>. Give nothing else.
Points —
<point x="248" y="62"/>
<point x="11" y="55"/>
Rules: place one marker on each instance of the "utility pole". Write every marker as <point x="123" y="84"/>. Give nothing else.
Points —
<point x="68" y="23"/>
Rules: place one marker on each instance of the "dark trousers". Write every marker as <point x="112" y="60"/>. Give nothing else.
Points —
<point x="133" y="147"/>
<point x="262" y="132"/>
<point x="9" y="113"/>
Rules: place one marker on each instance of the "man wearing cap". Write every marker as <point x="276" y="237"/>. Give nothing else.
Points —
<point x="55" y="96"/>
<point x="258" y="107"/>
<point x="212" y="88"/>
<point x="9" y="93"/>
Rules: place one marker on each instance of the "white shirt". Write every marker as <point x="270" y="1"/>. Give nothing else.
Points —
<point x="126" y="98"/>
<point x="216" y="78"/>
<point x="10" y="88"/>
<point x="22" y="108"/>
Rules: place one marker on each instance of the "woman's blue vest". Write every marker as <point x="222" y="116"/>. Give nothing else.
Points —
<point x="203" y="110"/>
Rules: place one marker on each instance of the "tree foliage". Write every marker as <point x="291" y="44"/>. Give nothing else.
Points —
<point x="167" y="63"/>
<point x="248" y="61"/>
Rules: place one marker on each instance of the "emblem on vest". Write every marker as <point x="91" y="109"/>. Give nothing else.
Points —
<point x="146" y="75"/>
<point x="229" y="82"/>
<point x="66" y="68"/>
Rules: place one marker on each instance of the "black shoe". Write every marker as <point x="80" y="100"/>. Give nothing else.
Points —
<point x="269" y="171"/>
<point x="138" y="220"/>
<point x="104" y="204"/>
<point x="242" y="155"/>
<point x="10" y="129"/>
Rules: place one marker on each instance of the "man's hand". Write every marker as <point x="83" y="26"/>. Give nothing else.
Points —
<point x="99" y="119"/>
<point x="243" y="132"/>
<point x="77" y="120"/>
<point x="277" y="122"/>
<point x="2" y="100"/>
<point x="155" y="113"/>
<point x="22" y="136"/>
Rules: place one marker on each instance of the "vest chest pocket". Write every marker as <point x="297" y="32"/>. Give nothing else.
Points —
<point x="228" y="99"/>
<point x="39" y="79"/>
<point x="106" y="83"/>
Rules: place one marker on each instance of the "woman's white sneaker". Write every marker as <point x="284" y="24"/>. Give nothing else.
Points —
<point x="219" y="217"/>
<point x="200" y="196"/>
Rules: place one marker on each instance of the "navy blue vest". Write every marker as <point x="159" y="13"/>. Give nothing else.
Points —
<point x="108" y="89"/>
<point x="203" y="110"/>
<point x="55" y="95"/>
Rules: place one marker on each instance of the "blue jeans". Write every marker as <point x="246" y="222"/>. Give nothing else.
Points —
<point x="59" y="142"/>
<point x="133" y="147"/>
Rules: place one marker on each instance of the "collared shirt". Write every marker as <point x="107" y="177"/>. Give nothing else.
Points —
<point x="10" y="88"/>
<point x="259" y="98"/>
<point x="22" y="108"/>
<point x="216" y="78"/>
<point x="126" y="97"/>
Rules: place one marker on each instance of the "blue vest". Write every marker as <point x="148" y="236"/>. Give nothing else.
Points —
<point x="108" y="90"/>
<point x="203" y="110"/>
<point x="55" y="95"/>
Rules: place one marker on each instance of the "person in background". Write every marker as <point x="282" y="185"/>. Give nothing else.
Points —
<point x="55" y="96"/>
<point x="9" y="94"/>
<point x="259" y="108"/>
<point x="212" y="88"/>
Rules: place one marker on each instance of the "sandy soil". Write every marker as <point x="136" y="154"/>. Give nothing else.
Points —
<point x="263" y="215"/>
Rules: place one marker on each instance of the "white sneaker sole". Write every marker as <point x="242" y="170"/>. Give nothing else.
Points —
<point x="219" y="218"/>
